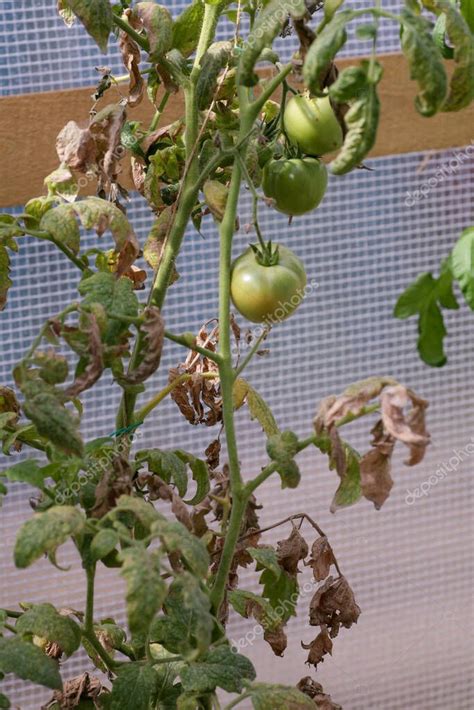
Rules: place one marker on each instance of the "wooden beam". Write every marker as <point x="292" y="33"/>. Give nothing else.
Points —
<point x="29" y="124"/>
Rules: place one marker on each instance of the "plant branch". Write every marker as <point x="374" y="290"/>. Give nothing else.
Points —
<point x="100" y="650"/>
<point x="89" y="617"/>
<point x="136" y="36"/>
<point x="252" y="352"/>
<point x="182" y="340"/>
<point x="269" y="90"/>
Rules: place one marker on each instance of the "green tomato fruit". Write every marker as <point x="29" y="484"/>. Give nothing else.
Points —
<point x="312" y="125"/>
<point x="297" y="185"/>
<point x="267" y="293"/>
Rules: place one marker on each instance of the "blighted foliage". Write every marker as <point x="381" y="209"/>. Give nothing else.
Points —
<point x="177" y="525"/>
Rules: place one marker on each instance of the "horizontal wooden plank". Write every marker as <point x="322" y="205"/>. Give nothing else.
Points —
<point x="29" y="125"/>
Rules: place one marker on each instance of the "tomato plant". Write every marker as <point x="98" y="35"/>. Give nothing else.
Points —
<point x="178" y="525"/>
<point x="312" y="125"/>
<point x="296" y="185"/>
<point x="267" y="288"/>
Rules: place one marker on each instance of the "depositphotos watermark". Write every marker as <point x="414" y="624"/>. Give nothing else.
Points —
<point x="445" y="170"/>
<point x="442" y="472"/>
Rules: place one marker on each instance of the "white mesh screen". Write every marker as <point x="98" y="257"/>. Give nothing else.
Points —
<point x="410" y="564"/>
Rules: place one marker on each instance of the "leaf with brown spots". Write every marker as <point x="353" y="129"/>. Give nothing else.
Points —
<point x="153" y="330"/>
<point x="76" y="148"/>
<point x="322" y="557"/>
<point x="116" y="481"/>
<point x="213" y="454"/>
<point x="291" y="551"/>
<point x="409" y="429"/>
<point x="131" y="58"/>
<point x="351" y="401"/>
<point x="95" y="351"/>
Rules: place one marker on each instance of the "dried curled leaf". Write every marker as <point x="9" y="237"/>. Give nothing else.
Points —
<point x="212" y="453"/>
<point x="314" y="690"/>
<point x="318" y="648"/>
<point x="409" y="429"/>
<point x="75" y="147"/>
<point x="116" y="481"/>
<point x="350" y="402"/>
<point x="375" y="467"/>
<point x="9" y="403"/>
<point x="291" y="551"/>
<point x="131" y="58"/>
<point x="153" y="328"/>
<point x="95" y="351"/>
<point x="322" y="557"/>
<point x="333" y="605"/>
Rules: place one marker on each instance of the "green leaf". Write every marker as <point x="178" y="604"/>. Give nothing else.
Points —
<point x="282" y="593"/>
<point x="362" y="117"/>
<point x="467" y="9"/>
<point x="187" y="27"/>
<point x="4" y="702"/>
<point x="27" y="472"/>
<point x="29" y="663"/>
<point x="188" y="624"/>
<point x="167" y="465"/>
<point x="53" y="367"/>
<point x="216" y="58"/>
<point x="282" y="446"/>
<point x="9" y="227"/>
<point x="158" y="24"/>
<point x="278" y="697"/>
<point x="176" y="538"/>
<point x="5" y="280"/>
<point x="412" y="300"/>
<point x="116" y="296"/>
<point x="426" y="63"/>
<point x="134" y="687"/>
<point x="52" y="419"/>
<point x="96" y="16"/>
<point x="431" y="332"/>
<point x="323" y="50"/>
<point x="267" y="26"/>
<point x="45" y="532"/>
<point x="259" y="410"/>
<point x="461" y="89"/>
<point x="349" y="490"/>
<point x="43" y="620"/>
<point x="248" y="604"/>
<point x="220" y="668"/>
<point x="330" y="8"/>
<point x="200" y="473"/>
<point x="146" y="590"/>
<point x="62" y="224"/>
<point x="266" y="557"/>
<point x="462" y="264"/>
<point x="103" y="543"/>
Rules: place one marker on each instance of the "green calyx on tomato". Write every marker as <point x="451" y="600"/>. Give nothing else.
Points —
<point x="312" y="125"/>
<point x="267" y="286"/>
<point x="297" y="185"/>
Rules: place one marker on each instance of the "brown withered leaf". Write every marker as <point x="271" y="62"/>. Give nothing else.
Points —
<point x="138" y="173"/>
<point x="9" y="403"/>
<point x="318" y="648"/>
<point x="131" y="58"/>
<point x="159" y="489"/>
<point x="106" y="127"/>
<point x="338" y="454"/>
<point x="116" y="481"/>
<point x="409" y="429"/>
<point x="314" y="690"/>
<point x="212" y="454"/>
<point x="375" y="467"/>
<point x="155" y="242"/>
<point x="95" y="352"/>
<point x="333" y="605"/>
<point x="322" y="557"/>
<point x="76" y="148"/>
<point x="351" y="401"/>
<point x="137" y="276"/>
<point x="291" y="551"/>
<point x="153" y="329"/>
<point x="75" y="691"/>
<point x="277" y="640"/>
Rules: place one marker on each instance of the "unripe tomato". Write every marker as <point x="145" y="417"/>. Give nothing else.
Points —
<point x="297" y="184"/>
<point x="267" y="293"/>
<point x="312" y="125"/>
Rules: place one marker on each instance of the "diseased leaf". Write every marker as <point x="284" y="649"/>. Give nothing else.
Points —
<point x="131" y="57"/>
<point x="176" y="538"/>
<point x="27" y="472"/>
<point x="426" y="63"/>
<point x="219" y="668"/>
<point x="408" y="428"/>
<point x="62" y="183"/>
<point x="51" y="418"/>
<point x="314" y="690"/>
<point x="188" y="624"/>
<point x="334" y="605"/>
<point x="244" y="392"/>
<point x="215" y="196"/>
<point x="318" y="648"/>
<point x="361" y="119"/>
<point x="268" y="24"/>
<point x="28" y="662"/>
<point x="45" y="532"/>
<point x="116" y="296"/>
<point x="153" y="249"/>
<point x="144" y="512"/>
<point x="187" y="26"/>
<point x="134" y="687"/>
<point x="375" y="467"/>
<point x="248" y="604"/>
<point x="349" y="490"/>
<point x="103" y="543"/>
<point x="461" y="89"/>
<point x="216" y="59"/>
<point x="168" y="465"/>
<point x="53" y="367"/>
<point x="44" y="621"/>
<point x="153" y="331"/>
<point x="94" y="364"/>
<point x="266" y="557"/>
<point x="278" y="697"/>
<point x="291" y="551"/>
<point x="5" y="280"/>
<point x="462" y="264"/>
<point x="146" y="590"/>
<point x="322" y="557"/>
<point x="158" y="23"/>
<point x="96" y="16"/>
<point x="323" y="50"/>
